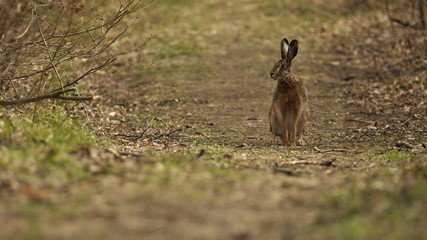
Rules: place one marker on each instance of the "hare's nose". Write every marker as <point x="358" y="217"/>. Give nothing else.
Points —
<point x="271" y="75"/>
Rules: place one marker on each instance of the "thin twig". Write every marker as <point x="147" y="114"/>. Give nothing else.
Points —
<point x="283" y="171"/>
<point x="404" y="144"/>
<point x="68" y="98"/>
<point x="48" y="52"/>
<point x="329" y="150"/>
<point x="306" y="162"/>
<point x="199" y="154"/>
<point x="359" y="121"/>
<point x="90" y="71"/>
<point x="141" y="135"/>
<point x="27" y="28"/>
<point x="112" y="21"/>
<point x="404" y="24"/>
<point x="131" y="154"/>
<point x="169" y="133"/>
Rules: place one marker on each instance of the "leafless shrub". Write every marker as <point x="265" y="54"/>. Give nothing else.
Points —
<point x="48" y="46"/>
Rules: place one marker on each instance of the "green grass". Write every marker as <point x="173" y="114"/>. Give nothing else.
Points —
<point x="395" y="156"/>
<point x="42" y="147"/>
<point x="39" y="161"/>
<point x="45" y="150"/>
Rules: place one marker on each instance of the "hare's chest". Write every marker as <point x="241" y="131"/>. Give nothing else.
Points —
<point x="287" y="96"/>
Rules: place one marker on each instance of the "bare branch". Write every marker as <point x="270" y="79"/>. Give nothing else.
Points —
<point x="90" y="98"/>
<point x="48" y="51"/>
<point x="404" y="24"/>
<point x="91" y="71"/>
<point x="54" y="45"/>
<point x="330" y="150"/>
<point x="34" y="99"/>
<point x="26" y="29"/>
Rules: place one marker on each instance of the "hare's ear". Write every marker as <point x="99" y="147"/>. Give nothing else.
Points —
<point x="284" y="47"/>
<point x="293" y="50"/>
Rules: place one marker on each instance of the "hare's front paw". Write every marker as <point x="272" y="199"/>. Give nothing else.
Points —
<point x="273" y="141"/>
<point x="300" y="142"/>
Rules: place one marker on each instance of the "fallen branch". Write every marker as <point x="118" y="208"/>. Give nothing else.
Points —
<point x="143" y="132"/>
<point x="131" y="154"/>
<point x="306" y="162"/>
<point x="135" y="136"/>
<point x="283" y="171"/>
<point x="359" y="121"/>
<point x="409" y="25"/>
<point x="67" y="98"/>
<point x="329" y="150"/>
<point x="404" y="144"/>
<point x="56" y="95"/>
<point x="124" y="135"/>
<point x="169" y="133"/>
<point x="400" y="22"/>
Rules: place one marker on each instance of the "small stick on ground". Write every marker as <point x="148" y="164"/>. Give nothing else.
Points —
<point x="56" y="95"/>
<point x="142" y="134"/>
<point x="405" y="144"/>
<point x="305" y="162"/>
<point x="199" y="155"/>
<point x="359" y="121"/>
<point x="283" y="171"/>
<point x="329" y="150"/>
<point x="131" y="154"/>
<point x="124" y="135"/>
<point x="169" y="133"/>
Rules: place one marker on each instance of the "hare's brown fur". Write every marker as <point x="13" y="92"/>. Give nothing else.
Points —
<point x="288" y="112"/>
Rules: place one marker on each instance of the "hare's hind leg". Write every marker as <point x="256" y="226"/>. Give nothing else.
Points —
<point x="273" y="134"/>
<point x="295" y="127"/>
<point x="274" y="140"/>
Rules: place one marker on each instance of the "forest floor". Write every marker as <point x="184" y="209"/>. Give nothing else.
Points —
<point x="186" y="150"/>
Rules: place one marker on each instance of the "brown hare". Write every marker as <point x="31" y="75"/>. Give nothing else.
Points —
<point x="288" y="112"/>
